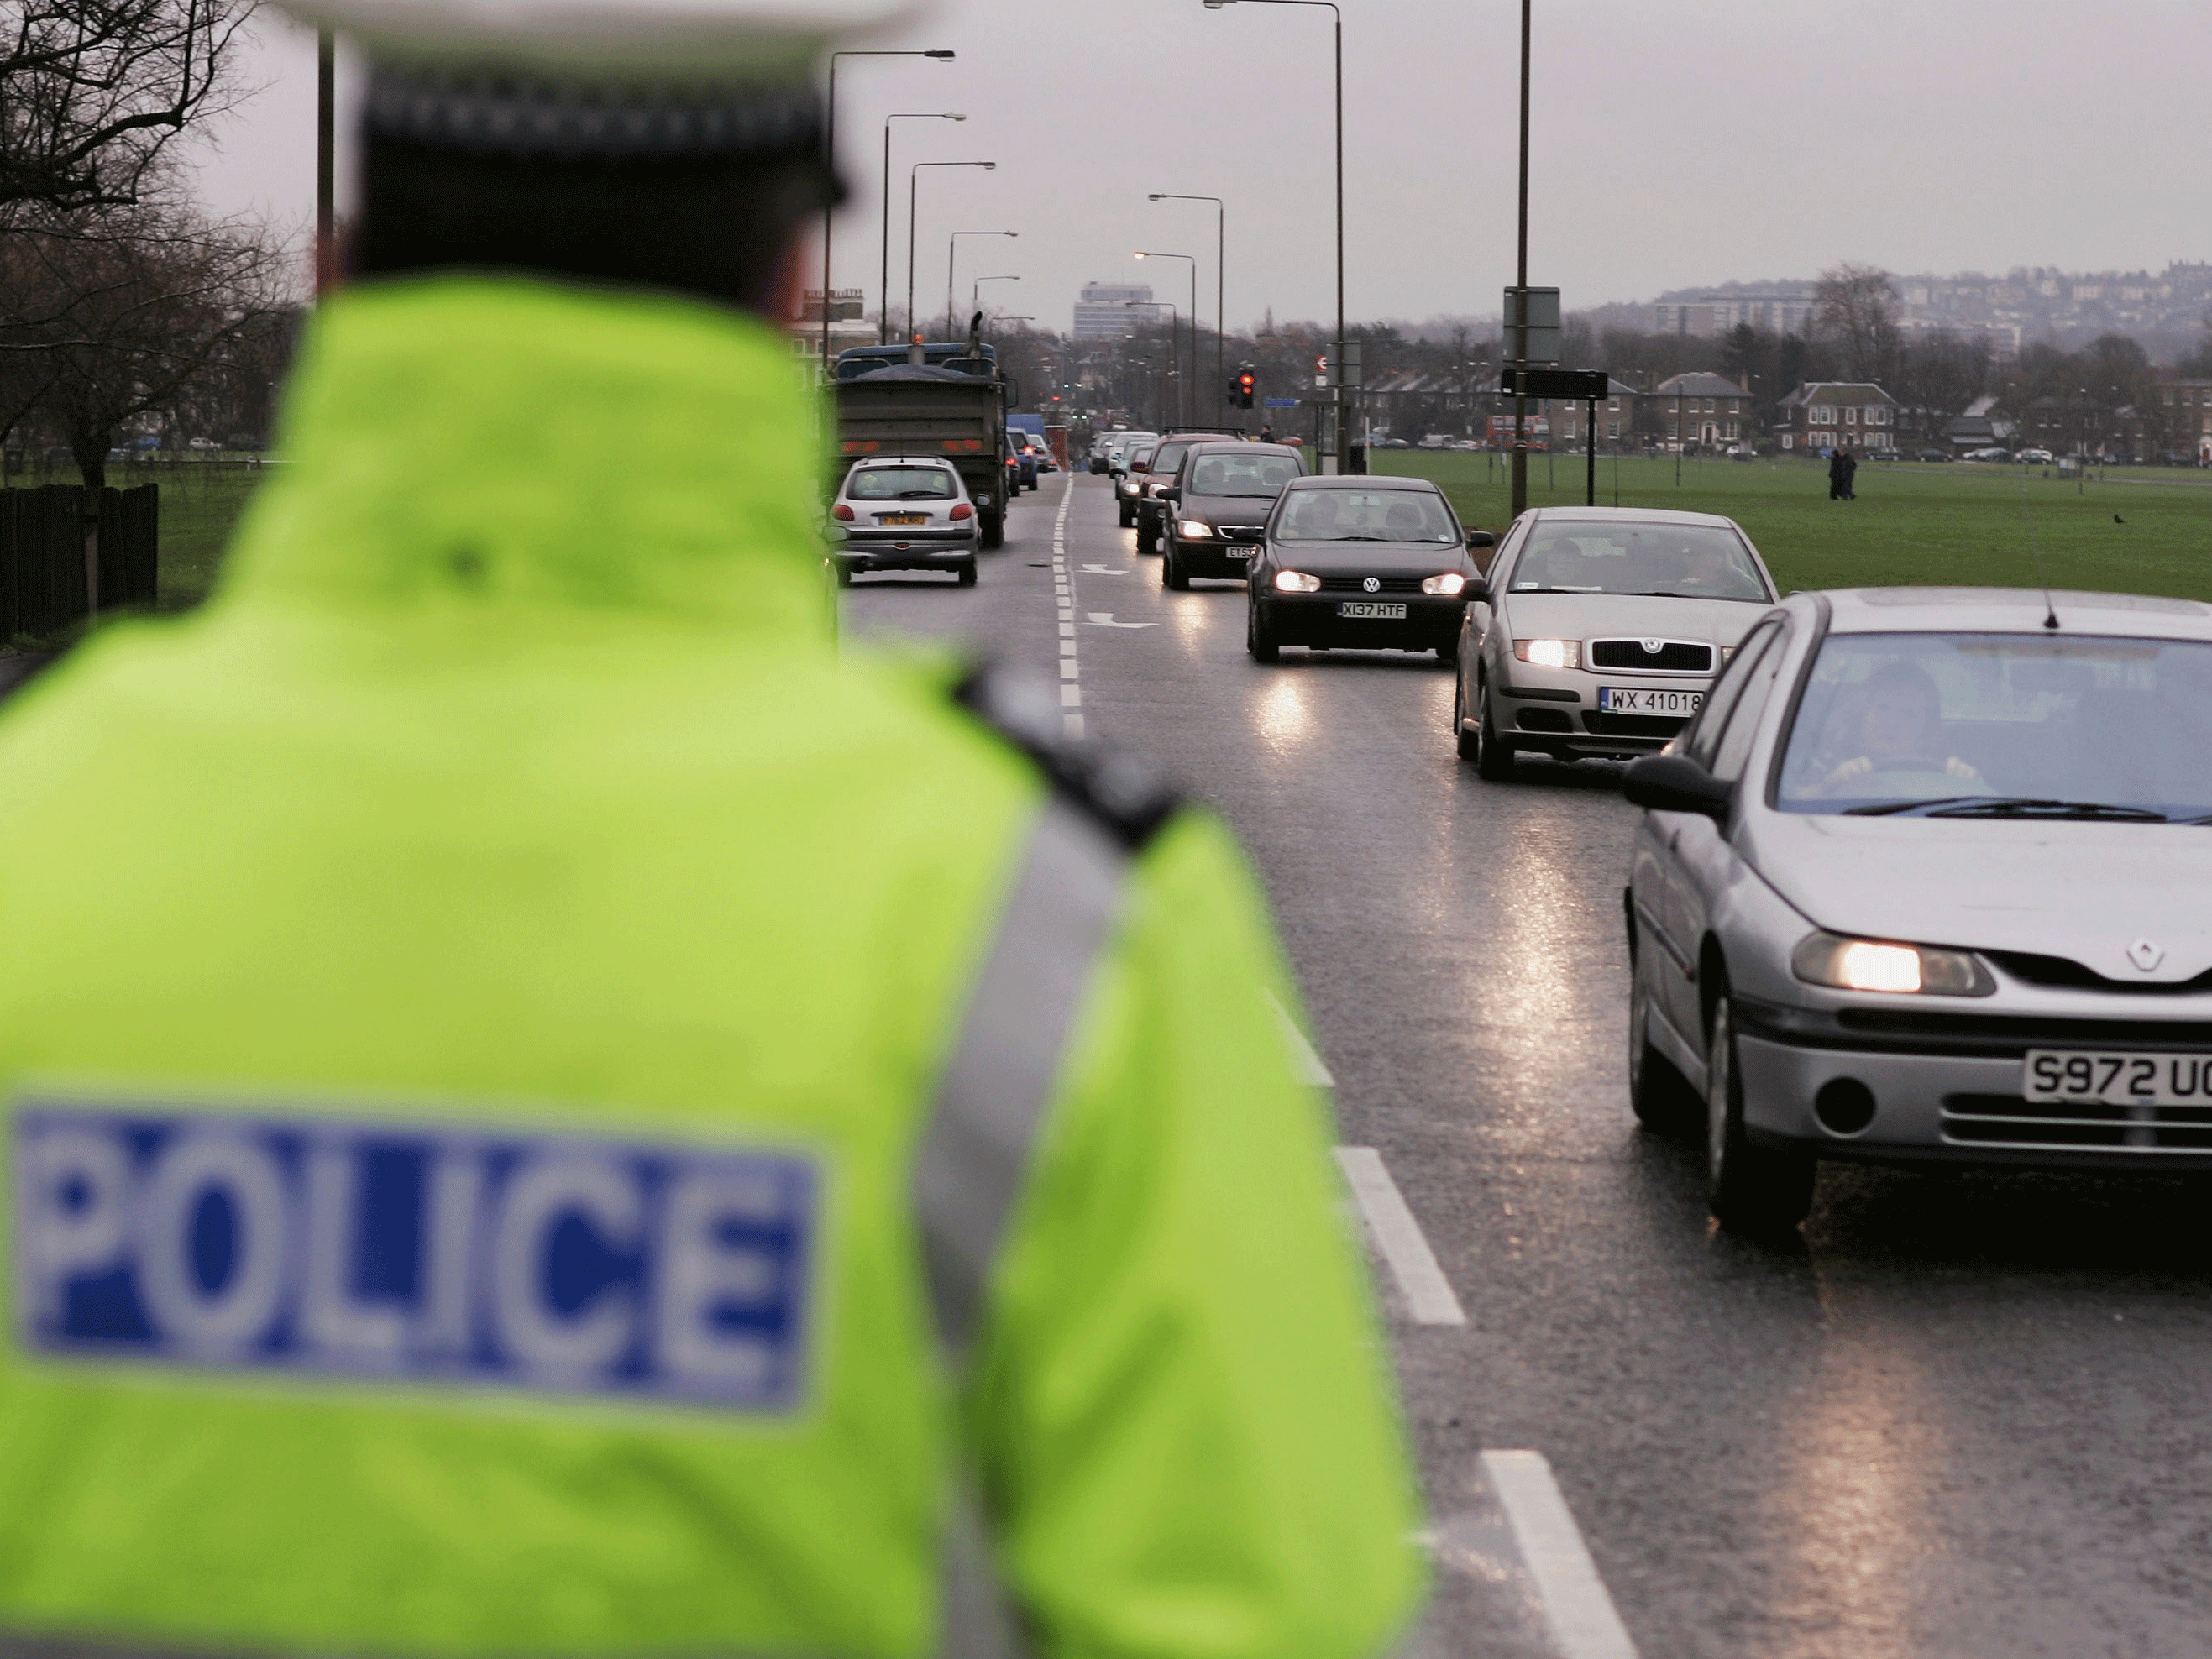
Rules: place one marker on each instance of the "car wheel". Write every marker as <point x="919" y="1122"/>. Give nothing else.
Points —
<point x="1257" y="640"/>
<point x="1148" y="541"/>
<point x="1659" y="1094"/>
<point x="1463" y="738"/>
<point x="1493" y="761"/>
<point x="1753" y="1190"/>
<point x="1128" y="516"/>
<point x="967" y="574"/>
<point x="1171" y="572"/>
<point x="844" y="574"/>
<point x="991" y="533"/>
<point x="1448" y="652"/>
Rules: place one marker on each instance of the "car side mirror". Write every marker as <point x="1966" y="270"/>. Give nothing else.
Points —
<point x="1477" y="592"/>
<point x="1170" y="494"/>
<point x="1675" y="783"/>
<point x="1480" y="539"/>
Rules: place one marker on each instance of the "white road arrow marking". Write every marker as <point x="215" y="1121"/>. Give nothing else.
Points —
<point x="1105" y="619"/>
<point x="1101" y="570"/>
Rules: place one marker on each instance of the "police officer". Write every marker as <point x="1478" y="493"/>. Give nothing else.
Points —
<point x="548" y="1113"/>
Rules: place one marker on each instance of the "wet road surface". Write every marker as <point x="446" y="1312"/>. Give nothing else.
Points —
<point x="1967" y="1416"/>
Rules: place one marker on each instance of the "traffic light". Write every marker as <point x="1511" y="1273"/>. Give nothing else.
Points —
<point x="1245" y="385"/>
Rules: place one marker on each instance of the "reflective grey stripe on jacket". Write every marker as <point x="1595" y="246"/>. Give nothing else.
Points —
<point x="1007" y="1058"/>
<point x="974" y="1153"/>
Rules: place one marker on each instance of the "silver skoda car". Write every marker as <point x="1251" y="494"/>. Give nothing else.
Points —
<point x="1930" y="878"/>
<point x="1598" y="631"/>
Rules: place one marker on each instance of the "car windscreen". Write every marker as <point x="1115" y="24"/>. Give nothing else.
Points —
<point x="1669" y="560"/>
<point x="1263" y="476"/>
<point x="2002" y="724"/>
<point x="901" y="484"/>
<point x="1365" y="515"/>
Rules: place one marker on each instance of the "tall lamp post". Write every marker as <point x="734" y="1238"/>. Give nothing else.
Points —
<point x="951" y="252"/>
<point x="1220" y="280"/>
<point x="1343" y="422"/>
<point x="913" y="175"/>
<point x="883" y="282"/>
<point x="829" y="161"/>
<point x="975" y="290"/>
<point x="1192" y="361"/>
<point x="1520" y="503"/>
<point x="326" y="157"/>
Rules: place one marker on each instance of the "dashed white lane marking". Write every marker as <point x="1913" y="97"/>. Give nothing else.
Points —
<point x="1428" y="1293"/>
<point x="1071" y="691"/>
<point x="1303" y="1060"/>
<point x="1581" y="1614"/>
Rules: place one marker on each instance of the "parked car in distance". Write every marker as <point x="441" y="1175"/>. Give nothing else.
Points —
<point x="1124" y="445"/>
<point x="1374" y="563"/>
<point x="1600" y="631"/>
<point x="1996" y="452"/>
<point x="1218" y="506"/>
<point x="2035" y="458"/>
<point x="903" y="513"/>
<point x="1933" y="455"/>
<point x="1924" y="884"/>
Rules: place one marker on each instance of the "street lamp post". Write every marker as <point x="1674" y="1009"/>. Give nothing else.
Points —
<point x="326" y="158"/>
<point x="1520" y="501"/>
<point x="1192" y="360"/>
<point x="951" y="251"/>
<point x="914" y="175"/>
<point x="1220" y="281"/>
<point x="975" y="290"/>
<point x="1343" y="426"/>
<point x="830" y="160"/>
<point x="883" y="281"/>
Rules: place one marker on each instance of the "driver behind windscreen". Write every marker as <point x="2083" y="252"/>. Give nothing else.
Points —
<point x="1901" y="729"/>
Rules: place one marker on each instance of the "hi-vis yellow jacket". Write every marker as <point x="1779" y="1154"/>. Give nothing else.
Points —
<point x="548" y="1114"/>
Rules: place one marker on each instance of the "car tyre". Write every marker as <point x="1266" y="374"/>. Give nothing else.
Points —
<point x="1148" y="541"/>
<point x="992" y="530"/>
<point x="1257" y="638"/>
<point x="1757" y="1191"/>
<point x="1171" y="572"/>
<point x="844" y="574"/>
<point x="1128" y="517"/>
<point x="967" y="574"/>
<point x="1493" y="760"/>
<point x="1660" y="1096"/>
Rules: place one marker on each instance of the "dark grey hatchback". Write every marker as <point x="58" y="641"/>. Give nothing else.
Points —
<point x="1377" y="564"/>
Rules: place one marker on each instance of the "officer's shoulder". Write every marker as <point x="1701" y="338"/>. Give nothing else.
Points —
<point x="1123" y="793"/>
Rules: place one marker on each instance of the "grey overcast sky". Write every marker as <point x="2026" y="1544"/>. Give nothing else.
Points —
<point x="1683" y="143"/>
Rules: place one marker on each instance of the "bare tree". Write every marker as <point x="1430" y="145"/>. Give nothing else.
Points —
<point x="124" y="311"/>
<point x="1855" y="309"/>
<point x="94" y="92"/>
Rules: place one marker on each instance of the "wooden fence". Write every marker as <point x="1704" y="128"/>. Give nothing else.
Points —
<point x="60" y="562"/>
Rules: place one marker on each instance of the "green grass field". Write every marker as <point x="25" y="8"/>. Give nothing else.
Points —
<point x="1936" y="523"/>
<point x="200" y="504"/>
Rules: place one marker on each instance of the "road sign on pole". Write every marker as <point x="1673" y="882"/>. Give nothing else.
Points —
<point x="1279" y="403"/>
<point x="1580" y="385"/>
<point x="1539" y="307"/>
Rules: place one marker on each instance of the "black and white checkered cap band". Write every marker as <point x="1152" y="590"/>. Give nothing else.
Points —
<point x="491" y="113"/>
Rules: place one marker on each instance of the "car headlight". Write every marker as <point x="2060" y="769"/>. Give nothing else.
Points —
<point x="1868" y="965"/>
<point x="1450" y="582"/>
<point x="1296" y="581"/>
<point x="1193" y="530"/>
<point x="1129" y="488"/>
<point x="1550" y="653"/>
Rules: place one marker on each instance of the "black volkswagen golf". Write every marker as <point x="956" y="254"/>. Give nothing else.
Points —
<point x="1377" y="564"/>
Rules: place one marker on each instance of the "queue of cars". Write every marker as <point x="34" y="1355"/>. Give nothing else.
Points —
<point x="1918" y="877"/>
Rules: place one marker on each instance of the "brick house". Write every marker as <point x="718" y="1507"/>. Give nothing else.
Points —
<point x="1701" y="409"/>
<point x="2187" y="402"/>
<point x="1823" y="414"/>
<point x="1616" y="419"/>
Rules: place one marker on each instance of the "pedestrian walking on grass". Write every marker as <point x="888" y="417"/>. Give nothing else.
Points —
<point x="1851" y="476"/>
<point x="1838" y="460"/>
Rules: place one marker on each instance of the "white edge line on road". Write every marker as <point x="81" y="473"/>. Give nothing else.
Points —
<point x="1582" y="1619"/>
<point x="1428" y="1293"/>
<point x="1071" y="695"/>
<point x="1304" y="1061"/>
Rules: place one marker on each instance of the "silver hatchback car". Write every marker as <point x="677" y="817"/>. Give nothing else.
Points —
<point x="904" y="512"/>
<point x="1930" y="879"/>
<point x="1598" y="631"/>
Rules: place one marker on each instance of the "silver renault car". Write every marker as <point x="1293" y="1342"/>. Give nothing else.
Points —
<point x="1930" y="879"/>
<point x="1597" y="631"/>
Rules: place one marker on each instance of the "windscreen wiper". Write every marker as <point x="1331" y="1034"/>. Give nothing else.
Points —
<point x="2006" y="806"/>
